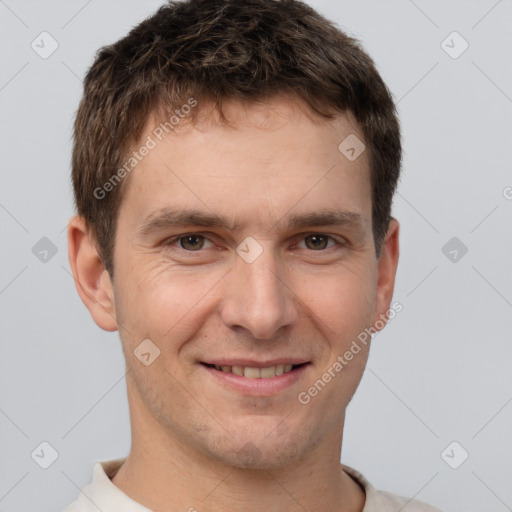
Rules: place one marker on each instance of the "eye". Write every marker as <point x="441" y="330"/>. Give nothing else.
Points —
<point x="190" y="242"/>
<point x="319" y="242"/>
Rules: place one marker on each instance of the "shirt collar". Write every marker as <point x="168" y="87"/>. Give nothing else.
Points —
<point x="108" y="497"/>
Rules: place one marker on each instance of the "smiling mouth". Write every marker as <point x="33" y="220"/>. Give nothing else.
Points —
<point x="257" y="373"/>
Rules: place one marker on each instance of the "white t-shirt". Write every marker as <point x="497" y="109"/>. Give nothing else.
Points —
<point x="103" y="495"/>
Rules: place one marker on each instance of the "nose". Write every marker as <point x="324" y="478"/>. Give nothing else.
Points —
<point x="258" y="299"/>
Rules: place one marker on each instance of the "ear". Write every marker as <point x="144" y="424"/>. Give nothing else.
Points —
<point x="386" y="268"/>
<point x="92" y="281"/>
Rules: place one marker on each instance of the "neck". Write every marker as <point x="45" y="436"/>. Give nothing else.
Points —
<point x="164" y="472"/>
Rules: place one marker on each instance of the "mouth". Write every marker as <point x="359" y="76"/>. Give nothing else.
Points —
<point x="252" y="378"/>
<point x="253" y="372"/>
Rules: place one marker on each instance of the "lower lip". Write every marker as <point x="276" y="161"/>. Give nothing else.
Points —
<point x="257" y="387"/>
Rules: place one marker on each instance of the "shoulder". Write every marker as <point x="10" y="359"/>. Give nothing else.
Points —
<point x="384" y="501"/>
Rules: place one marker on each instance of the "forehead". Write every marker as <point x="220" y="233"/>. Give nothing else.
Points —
<point x="274" y="153"/>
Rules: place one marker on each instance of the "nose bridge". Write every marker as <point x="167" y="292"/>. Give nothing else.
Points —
<point x="257" y="297"/>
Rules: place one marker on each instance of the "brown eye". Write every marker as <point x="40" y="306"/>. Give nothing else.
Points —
<point x="316" y="241"/>
<point x="192" y="242"/>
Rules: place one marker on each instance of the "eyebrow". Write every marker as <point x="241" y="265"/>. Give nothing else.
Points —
<point x="165" y="218"/>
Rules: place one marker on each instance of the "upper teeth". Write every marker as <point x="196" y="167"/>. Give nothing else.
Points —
<point x="256" y="373"/>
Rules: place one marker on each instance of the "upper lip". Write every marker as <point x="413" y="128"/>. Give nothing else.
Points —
<point x="256" y="364"/>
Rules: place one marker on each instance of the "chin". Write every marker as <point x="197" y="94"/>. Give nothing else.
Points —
<point x="251" y="457"/>
<point x="261" y="451"/>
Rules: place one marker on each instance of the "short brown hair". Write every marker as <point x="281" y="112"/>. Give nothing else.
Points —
<point x="214" y="50"/>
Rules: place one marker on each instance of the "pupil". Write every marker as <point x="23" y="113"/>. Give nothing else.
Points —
<point x="191" y="242"/>
<point x="317" y="240"/>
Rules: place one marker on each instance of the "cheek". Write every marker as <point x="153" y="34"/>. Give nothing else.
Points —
<point x="341" y="301"/>
<point x="161" y="304"/>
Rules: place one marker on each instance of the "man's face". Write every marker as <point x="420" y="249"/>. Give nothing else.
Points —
<point x="264" y="291"/>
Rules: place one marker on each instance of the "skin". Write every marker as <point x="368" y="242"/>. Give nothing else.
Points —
<point x="190" y="433"/>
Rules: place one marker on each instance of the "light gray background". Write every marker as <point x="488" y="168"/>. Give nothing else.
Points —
<point x="439" y="372"/>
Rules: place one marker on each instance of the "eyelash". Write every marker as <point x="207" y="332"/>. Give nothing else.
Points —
<point x="170" y="241"/>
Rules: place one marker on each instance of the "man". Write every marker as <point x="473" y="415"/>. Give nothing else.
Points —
<point x="234" y="165"/>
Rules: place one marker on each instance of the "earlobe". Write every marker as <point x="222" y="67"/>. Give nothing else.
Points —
<point x="91" y="279"/>
<point x="386" y="267"/>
